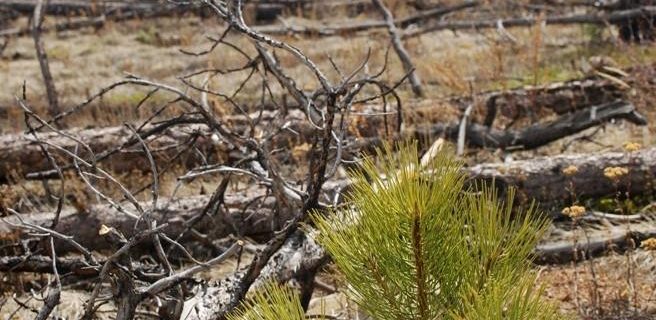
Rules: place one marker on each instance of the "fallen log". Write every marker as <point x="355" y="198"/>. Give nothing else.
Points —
<point x="531" y="137"/>
<point x="20" y="153"/>
<point x="96" y="14"/>
<point x="113" y="144"/>
<point x="559" y="97"/>
<point x="240" y="215"/>
<point x="593" y="236"/>
<point x="72" y="24"/>
<point x="542" y="179"/>
<point x="117" y="148"/>
<point x="108" y="8"/>
<point x="599" y="19"/>
<point x="422" y="16"/>
<point x="43" y="264"/>
<point x="534" y="175"/>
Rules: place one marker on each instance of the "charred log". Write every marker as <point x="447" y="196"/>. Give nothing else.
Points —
<point x="235" y="217"/>
<point x="542" y="179"/>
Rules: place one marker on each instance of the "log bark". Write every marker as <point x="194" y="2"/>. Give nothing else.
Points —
<point x="542" y="179"/>
<point x="559" y="97"/>
<point x="255" y="222"/>
<point x="299" y="257"/>
<point x="593" y="237"/>
<point x="20" y="153"/>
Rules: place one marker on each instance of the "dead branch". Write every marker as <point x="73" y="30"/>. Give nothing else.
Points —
<point x="408" y="67"/>
<point x="541" y="134"/>
<point x="531" y="137"/>
<point x="37" y="21"/>
<point x="43" y="264"/>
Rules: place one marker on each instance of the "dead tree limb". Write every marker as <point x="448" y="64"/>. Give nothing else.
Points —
<point x="408" y="67"/>
<point x="43" y="264"/>
<point x="531" y="137"/>
<point x="37" y="21"/>
<point x="541" y="134"/>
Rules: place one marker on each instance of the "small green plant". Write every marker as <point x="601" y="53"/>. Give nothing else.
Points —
<point x="417" y="243"/>
<point x="270" y="302"/>
<point x="425" y="246"/>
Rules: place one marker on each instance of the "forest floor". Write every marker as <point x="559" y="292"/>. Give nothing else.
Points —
<point x="449" y="63"/>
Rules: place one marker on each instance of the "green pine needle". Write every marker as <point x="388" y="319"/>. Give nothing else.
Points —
<point x="270" y="302"/>
<point x="425" y="246"/>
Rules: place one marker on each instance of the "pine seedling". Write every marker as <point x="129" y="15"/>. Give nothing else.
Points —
<point x="416" y="243"/>
<point x="272" y="301"/>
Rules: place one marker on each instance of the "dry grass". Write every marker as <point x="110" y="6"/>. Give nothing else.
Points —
<point x="611" y="287"/>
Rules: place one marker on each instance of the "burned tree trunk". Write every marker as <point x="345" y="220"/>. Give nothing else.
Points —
<point x="559" y="97"/>
<point x="115" y="152"/>
<point x="543" y="180"/>
<point x="536" y="135"/>
<point x="592" y="237"/>
<point x="255" y="221"/>
<point x="638" y="28"/>
<point x="21" y="153"/>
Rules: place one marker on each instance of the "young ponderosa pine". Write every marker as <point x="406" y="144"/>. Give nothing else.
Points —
<point x="270" y="302"/>
<point x="414" y="245"/>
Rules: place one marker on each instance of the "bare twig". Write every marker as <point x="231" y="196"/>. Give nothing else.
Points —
<point x="37" y="21"/>
<point x="400" y="49"/>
